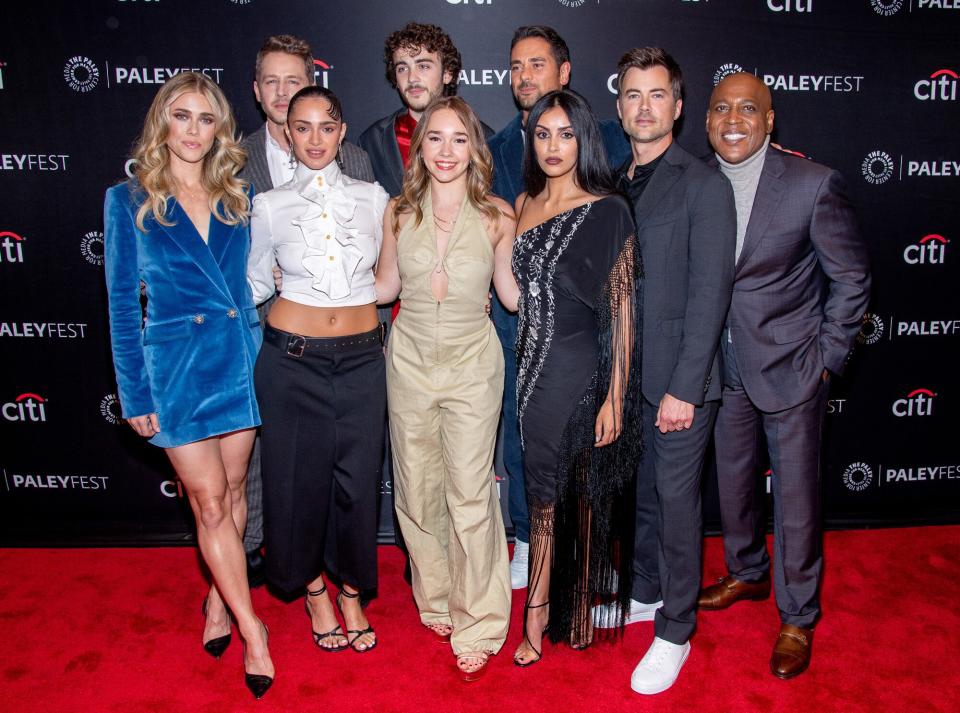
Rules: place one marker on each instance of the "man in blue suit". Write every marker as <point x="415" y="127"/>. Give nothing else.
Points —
<point x="539" y="64"/>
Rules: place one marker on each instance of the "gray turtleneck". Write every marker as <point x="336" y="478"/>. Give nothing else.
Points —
<point x="745" y="177"/>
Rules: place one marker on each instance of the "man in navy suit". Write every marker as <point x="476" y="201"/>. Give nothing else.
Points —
<point x="801" y="286"/>
<point x="539" y="64"/>
<point x="422" y="64"/>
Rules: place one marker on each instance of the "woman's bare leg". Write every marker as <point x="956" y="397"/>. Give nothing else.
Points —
<point x="536" y="613"/>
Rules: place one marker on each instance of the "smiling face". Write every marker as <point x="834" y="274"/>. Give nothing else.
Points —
<point x="446" y="146"/>
<point x="420" y="77"/>
<point x="555" y="143"/>
<point x="534" y="71"/>
<point x="281" y="76"/>
<point x="646" y="105"/>
<point x="192" y="127"/>
<point x="739" y="117"/>
<point x="314" y="135"/>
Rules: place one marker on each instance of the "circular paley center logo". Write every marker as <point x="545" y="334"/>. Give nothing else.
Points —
<point x="81" y="74"/>
<point x="91" y="247"/>
<point x="725" y="70"/>
<point x="571" y="3"/>
<point x="858" y="476"/>
<point x="110" y="409"/>
<point x="877" y="167"/>
<point x="871" y="329"/>
<point x="886" y="7"/>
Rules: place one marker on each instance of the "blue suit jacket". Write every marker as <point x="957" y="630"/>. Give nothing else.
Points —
<point x="506" y="147"/>
<point x="191" y="362"/>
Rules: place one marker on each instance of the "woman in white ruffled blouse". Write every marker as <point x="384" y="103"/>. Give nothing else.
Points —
<point x="320" y="374"/>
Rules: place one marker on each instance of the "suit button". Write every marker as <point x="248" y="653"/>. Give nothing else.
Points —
<point x="198" y="319"/>
<point x="232" y="313"/>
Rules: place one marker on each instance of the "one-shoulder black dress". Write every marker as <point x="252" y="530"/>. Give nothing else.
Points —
<point x="579" y="328"/>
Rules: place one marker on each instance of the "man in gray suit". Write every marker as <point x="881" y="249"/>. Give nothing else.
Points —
<point x="801" y="287"/>
<point x="686" y="228"/>
<point x="284" y="66"/>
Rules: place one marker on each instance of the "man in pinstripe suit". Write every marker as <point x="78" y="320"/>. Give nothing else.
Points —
<point x="284" y="66"/>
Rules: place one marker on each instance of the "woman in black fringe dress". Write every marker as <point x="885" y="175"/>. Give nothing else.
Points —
<point x="578" y="389"/>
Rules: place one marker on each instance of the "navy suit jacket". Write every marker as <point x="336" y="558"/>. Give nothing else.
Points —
<point x="380" y="143"/>
<point x="802" y="282"/>
<point x="191" y="361"/>
<point x="506" y="147"/>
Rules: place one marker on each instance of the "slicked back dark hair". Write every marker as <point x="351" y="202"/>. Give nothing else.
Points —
<point x="561" y="53"/>
<point x="593" y="170"/>
<point x="647" y="57"/>
<point x="335" y="111"/>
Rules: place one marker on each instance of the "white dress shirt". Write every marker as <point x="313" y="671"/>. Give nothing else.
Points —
<point x="278" y="161"/>
<point x="324" y="230"/>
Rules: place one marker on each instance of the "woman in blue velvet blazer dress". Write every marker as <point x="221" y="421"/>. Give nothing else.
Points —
<point x="185" y="371"/>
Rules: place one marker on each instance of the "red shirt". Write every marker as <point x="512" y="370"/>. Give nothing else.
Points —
<point x="403" y="128"/>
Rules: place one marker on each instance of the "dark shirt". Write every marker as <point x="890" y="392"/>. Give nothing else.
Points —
<point x="634" y="187"/>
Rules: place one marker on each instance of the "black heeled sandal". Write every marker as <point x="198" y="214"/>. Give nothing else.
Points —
<point x="215" y="647"/>
<point x="358" y="632"/>
<point x="335" y="631"/>
<point x="257" y="683"/>
<point x="524" y="664"/>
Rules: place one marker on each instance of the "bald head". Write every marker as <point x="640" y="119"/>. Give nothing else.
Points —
<point x="739" y="117"/>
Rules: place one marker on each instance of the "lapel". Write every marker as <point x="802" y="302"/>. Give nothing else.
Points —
<point x="186" y="237"/>
<point x="765" y="203"/>
<point x="511" y="154"/>
<point x="257" y="161"/>
<point x="668" y="172"/>
<point x="391" y="150"/>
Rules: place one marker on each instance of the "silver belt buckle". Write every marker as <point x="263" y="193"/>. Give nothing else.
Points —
<point x="295" y="346"/>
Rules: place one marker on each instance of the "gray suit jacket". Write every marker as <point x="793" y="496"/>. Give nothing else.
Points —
<point x="356" y="163"/>
<point x="687" y="231"/>
<point x="802" y="283"/>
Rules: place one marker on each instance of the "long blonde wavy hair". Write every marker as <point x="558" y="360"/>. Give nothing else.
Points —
<point x="416" y="180"/>
<point x="228" y="199"/>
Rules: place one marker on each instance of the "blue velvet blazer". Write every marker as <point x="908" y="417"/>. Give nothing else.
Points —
<point x="191" y="361"/>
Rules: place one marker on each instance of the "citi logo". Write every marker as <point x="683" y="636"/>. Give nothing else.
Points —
<point x="171" y="489"/>
<point x="886" y="7"/>
<point x="11" y="246"/>
<point x="918" y="402"/>
<point x="941" y="86"/>
<point x="81" y="74"/>
<point x="26" y="407"/>
<point x="930" y="250"/>
<point x="725" y="70"/>
<point x="321" y="73"/>
<point x="2" y="65"/>
<point x="857" y="477"/>
<point x="877" y="167"/>
<point x="790" y="5"/>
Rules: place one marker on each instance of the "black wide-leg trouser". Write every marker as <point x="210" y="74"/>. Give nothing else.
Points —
<point x="323" y="407"/>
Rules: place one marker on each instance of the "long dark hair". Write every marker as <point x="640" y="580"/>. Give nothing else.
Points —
<point x="593" y="170"/>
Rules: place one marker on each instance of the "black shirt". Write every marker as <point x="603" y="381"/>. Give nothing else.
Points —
<point x="634" y="187"/>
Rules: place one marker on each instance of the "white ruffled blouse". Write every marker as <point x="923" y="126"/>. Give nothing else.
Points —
<point x="324" y="230"/>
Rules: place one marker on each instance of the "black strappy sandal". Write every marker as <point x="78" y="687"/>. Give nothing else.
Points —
<point x="358" y="632"/>
<point x="335" y="631"/>
<point x="522" y="664"/>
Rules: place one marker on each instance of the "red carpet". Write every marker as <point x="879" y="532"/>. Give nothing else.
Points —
<point x="119" y="630"/>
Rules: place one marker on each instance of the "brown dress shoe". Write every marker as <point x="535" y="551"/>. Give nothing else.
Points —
<point x="791" y="653"/>
<point x="728" y="590"/>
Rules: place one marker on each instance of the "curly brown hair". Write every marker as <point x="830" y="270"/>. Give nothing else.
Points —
<point x="417" y="36"/>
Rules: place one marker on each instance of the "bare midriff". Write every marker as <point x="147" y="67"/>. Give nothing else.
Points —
<point x="322" y="321"/>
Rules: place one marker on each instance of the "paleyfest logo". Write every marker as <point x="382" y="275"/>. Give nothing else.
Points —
<point x="877" y="167"/>
<point x="110" y="409"/>
<point x="871" y="329"/>
<point x="91" y="247"/>
<point x="725" y="70"/>
<point x="857" y="477"/>
<point x="81" y="74"/>
<point x="886" y="7"/>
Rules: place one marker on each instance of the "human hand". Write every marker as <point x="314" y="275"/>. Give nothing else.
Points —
<point x="146" y="426"/>
<point x="608" y="425"/>
<point x="825" y="376"/>
<point x="487" y="307"/>
<point x="277" y="277"/>
<point x="673" y="414"/>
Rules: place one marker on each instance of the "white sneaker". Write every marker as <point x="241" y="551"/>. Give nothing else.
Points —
<point x="659" y="667"/>
<point x="518" y="565"/>
<point x="605" y="615"/>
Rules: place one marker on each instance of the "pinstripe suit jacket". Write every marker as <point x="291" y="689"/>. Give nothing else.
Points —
<point x="356" y="163"/>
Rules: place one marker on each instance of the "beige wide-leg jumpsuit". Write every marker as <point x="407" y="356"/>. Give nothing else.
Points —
<point x="444" y="390"/>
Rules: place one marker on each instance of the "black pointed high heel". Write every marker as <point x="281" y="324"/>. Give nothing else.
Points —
<point x="524" y="664"/>
<point x="317" y="636"/>
<point x="257" y="683"/>
<point x="215" y="647"/>
<point x="358" y="632"/>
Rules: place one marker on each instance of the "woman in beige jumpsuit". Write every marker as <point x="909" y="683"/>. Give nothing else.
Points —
<point x="444" y="238"/>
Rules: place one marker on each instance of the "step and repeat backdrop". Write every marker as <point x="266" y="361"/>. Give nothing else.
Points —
<point x="869" y="87"/>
